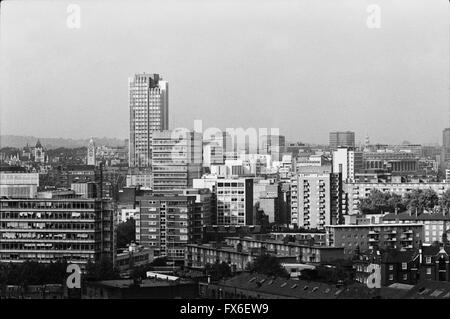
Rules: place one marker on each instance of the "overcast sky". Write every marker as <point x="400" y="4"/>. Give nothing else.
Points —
<point x="306" y="67"/>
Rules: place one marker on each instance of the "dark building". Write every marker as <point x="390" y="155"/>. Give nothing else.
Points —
<point x="342" y="139"/>
<point x="255" y="286"/>
<point x="168" y="222"/>
<point x="146" y="289"/>
<point x="405" y="267"/>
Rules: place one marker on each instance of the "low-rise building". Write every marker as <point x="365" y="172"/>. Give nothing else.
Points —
<point x="302" y="252"/>
<point x="435" y="225"/>
<point x="355" y="238"/>
<point x="135" y="256"/>
<point x="403" y="267"/>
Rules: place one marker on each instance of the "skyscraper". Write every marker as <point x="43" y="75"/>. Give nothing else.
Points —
<point x="344" y="139"/>
<point x="149" y="112"/>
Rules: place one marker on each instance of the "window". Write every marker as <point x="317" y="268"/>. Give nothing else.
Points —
<point x="391" y="277"/>
<point x="391" y="267"/>
<point x="404" y="266"/>
<point x="405" y="276"/>
<point x="428" y="270"/>
<point x="428" y="260"/>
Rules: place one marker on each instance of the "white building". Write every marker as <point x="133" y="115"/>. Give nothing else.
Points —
<point x="347" y="161"/>
<point x="23" y="185"/>
<point x="91" y="152"/>
<point x="234" y="199"/>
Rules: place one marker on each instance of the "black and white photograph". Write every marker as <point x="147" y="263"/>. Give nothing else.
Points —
<point x="221" y="154"/>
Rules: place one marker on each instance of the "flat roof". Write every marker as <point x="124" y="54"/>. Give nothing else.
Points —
<point x="376" y="225"/>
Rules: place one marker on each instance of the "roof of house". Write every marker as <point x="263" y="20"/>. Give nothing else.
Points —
<point x="434" y="250"/>
<point x="146" y="283"/>
<point x="429" y="289"/>
<point x="298" y="289"/>
<point x="398" y="256"/>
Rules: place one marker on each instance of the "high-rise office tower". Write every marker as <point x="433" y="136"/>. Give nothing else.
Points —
<point x="176" y="160"/>
<point x="149" y="112"/>
<point x="344" y="139"/>
<point x="91" y="152"/>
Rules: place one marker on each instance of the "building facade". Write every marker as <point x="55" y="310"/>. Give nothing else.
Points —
<point x="346" y="139"/>
<point x="163" y="223"/>
<point x="18" y="185"/>
<point x="176" y="160"/>
<point x="315" y="200"/>
<point x="149" y="112"/>
<point x="348" y="162"/>
<point x="234" y="204"/>
<point x="356" y="238"/>
<point x="50" y="229"/>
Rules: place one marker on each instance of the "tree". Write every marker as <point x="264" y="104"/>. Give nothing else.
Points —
<point x="33" y="273"/>
<point x="161" y="261"/>
<point x="103" y="269"/>
<point x="444" y="201"/>
<point x="420" y="200"/>
<point x="218" y="271"/>
<point x="268" y="265"/>
<point x="379" y="202"/>
<point x="339" y="271"/>
<point x="126" y="233"/>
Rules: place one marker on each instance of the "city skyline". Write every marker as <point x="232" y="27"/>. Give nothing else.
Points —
<point x="282" y="69"/>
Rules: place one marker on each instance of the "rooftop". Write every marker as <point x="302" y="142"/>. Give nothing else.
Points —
<point x="146" y="283"/>
<point x="430" y="289"/>
<point x="298" y="289"/>
<point x="412" y="216"/>
<point x="375" y="225"/>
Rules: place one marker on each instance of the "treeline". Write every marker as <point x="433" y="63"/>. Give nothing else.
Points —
<point x="379" y="202"/>
<point x="34" y="273"/>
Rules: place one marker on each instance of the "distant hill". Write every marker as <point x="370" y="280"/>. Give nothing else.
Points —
<point x="51" y="143"/>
